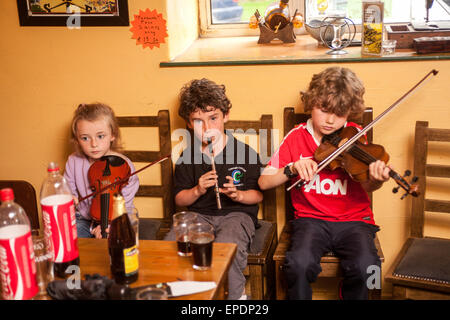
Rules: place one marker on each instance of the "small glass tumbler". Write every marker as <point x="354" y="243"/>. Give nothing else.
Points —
<point x="43" y="256"/>
<point x="181" y="222"/>
<point x="151" y="294"/>
<point x="388" y="47"/>
<point x="201" y="237"/>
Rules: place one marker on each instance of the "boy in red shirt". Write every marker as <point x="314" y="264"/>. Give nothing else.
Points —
<point x="332" y="211"/>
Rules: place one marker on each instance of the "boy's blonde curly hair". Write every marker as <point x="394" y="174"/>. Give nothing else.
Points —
<point x="336" y="90"/>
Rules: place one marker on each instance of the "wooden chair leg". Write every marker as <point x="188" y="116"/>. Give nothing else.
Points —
<point x="398" y="293"/>
<point x="256" y="282"/>
<point x="280" y="282"/>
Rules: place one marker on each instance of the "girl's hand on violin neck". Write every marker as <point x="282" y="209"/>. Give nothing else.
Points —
<point x="75" y="200"/>
<point x="305" y="168"/>
<point x="379" y="171"/>
<point x="97" y="232"/>
<point x="206" y="181"/>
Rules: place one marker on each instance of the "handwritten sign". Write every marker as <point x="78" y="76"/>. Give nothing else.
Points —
<point x="149" y="28"/>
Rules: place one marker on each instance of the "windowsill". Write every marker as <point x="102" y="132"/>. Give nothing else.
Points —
<point x="246" y="51"/>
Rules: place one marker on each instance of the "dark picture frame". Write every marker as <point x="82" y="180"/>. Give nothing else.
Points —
<point x="41" y="13"/>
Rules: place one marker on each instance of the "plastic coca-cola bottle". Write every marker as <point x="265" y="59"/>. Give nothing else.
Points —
<point x="17" y="265"/>
<point x="58" y="213"/>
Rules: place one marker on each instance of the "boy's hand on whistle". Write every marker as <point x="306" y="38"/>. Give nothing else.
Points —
<point x="231" y="191"/>
<point x="206" y="181"/>
<point x="305" y="168"/>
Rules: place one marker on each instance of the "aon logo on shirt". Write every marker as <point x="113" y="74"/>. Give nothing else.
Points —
<point x="327" y="186"/>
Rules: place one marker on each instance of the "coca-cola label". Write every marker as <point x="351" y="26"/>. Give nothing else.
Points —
<point x="58" y="212"/>
<point x="17" y="265"/>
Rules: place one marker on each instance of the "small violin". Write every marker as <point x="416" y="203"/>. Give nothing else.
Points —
<point x="107" y="176"/>
<point x="357" y="158"/>
<point x="106" y="171"/>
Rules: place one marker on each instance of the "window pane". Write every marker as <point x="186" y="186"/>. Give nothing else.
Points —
<point x="236" y="11"/>
<point x="394" y="10"/>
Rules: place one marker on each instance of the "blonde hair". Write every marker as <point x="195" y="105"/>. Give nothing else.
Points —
<point x="336" y="90"/>
<point x="93" y="112"/>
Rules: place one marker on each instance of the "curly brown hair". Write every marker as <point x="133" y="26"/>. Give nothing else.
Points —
<point x="201" y="94"/>
<point x="336" y="90"/>
<point x="93" y="112"/>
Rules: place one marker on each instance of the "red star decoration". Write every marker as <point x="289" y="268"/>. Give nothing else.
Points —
<point x="149" y="28"/>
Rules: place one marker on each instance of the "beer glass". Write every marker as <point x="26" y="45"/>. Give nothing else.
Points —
<point x="43" y="256"/>
<point x="201" y="237"/>
<point x="181" y="221"/>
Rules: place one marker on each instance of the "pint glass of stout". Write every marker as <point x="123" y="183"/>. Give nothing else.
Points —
<point x="181" y="222"/>
<point x="201" y="237"/>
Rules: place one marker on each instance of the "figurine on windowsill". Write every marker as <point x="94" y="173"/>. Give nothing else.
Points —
<point x="277" y="23"/>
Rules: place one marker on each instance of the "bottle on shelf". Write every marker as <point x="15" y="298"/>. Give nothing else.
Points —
<point x="277" y="16"/>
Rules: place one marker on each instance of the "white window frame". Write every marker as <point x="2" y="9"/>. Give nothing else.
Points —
<point x="208" y="29"/>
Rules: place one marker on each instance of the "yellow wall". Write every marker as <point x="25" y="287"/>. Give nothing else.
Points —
<point x="47" y="71"/>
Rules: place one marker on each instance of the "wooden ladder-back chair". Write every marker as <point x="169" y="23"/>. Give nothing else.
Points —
<point x="25" y="196"/>
<point x="422" y="268"/>
<point x="330" y="263"/>
<point x="260" y="265"/>
<point x="149" y="228"/>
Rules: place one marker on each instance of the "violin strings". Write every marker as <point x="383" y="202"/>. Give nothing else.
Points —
<point x="362" y="155"/>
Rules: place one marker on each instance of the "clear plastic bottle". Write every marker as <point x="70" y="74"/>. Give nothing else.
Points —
<point x="58" y="213"/>
<point x="17" y="265"/>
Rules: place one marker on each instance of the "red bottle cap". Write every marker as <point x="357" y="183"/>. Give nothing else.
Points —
<point x="52" y="166"/>
<point x="6" y="194"/>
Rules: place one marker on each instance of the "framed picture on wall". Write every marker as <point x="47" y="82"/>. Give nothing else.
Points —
<point x="73" y="13"/>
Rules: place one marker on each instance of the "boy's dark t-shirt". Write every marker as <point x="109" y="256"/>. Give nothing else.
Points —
<point x="237" y="160"/>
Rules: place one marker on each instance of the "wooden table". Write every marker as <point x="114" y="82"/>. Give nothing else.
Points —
<point x="159" y="262"/>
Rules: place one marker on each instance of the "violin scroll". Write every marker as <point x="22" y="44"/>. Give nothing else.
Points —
<point x="411" y="188"/>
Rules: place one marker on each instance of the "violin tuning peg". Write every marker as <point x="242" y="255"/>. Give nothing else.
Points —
<point x="414" y="179"/>
<point x="403" y="196"/>
<point x="407" y="173"/>
<point x="395" y="190"/>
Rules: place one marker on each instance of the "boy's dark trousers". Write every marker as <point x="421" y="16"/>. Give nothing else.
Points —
<point x="352" y="242"/>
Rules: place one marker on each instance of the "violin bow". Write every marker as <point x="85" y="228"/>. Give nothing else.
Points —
<point x="123" y="179"/>
<point x="363" y="131"/>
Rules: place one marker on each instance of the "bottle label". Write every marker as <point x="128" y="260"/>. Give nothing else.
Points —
<point x="17" y="265"/>
<point x="58" y="212"/>
<point x="130" y="260"/>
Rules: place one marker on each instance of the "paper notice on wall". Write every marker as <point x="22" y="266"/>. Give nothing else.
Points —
<point x="149" y="28"/>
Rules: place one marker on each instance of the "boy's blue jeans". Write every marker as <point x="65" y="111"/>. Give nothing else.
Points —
<point x="352" y="242"/>
<point x="83" y="227"/>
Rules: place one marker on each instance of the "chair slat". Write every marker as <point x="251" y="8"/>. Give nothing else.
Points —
<point x="244" y="125"/>
<point x="438" y="170"/>
<point x="142" y="156"/>
<point x="437" y="205"/>
<point x="438" y="134"/>
<point x="150" y="191"/>
<point x="149" y="121"/>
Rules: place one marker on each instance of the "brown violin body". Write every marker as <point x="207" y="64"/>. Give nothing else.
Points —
<point x="106" y="171"/>
<point x="357" y="158"/>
